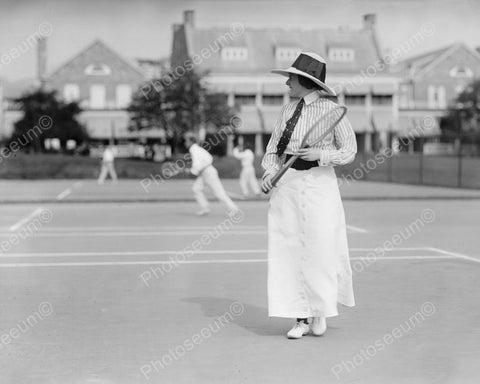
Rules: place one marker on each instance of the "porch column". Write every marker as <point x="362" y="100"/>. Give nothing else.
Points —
<point x="258" y="144"/>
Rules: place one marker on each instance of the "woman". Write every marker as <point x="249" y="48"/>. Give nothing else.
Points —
<point x="308" y="262"/>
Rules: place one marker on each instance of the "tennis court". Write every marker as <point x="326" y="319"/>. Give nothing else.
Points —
<point x="107" y="290"/>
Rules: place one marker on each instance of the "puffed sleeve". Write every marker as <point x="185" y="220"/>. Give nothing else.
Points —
<point x="346" y="144"/>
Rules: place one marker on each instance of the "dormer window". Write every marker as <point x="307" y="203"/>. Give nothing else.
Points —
<point x="461" y="72"/>
<point x="287" y="53"/>
<point x="98" y="70"/>
<point x="234" y="54"/>
<point x="343" y="55"/>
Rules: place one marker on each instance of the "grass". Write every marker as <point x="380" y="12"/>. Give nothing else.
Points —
<point x="58" y="166"/>
<point x="437" y="170"/>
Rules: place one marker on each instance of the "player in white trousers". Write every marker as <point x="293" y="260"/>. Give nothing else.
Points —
<point x="206" y="174"/>
<point x="247" y="175"/>
<point x="108" y="167"/>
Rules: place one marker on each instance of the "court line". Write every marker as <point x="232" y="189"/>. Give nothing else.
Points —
<point x="356" y="229"/>
<point x="68" y="191"/>
<point x="154" y="253"/>
<point x="214" y="261"/>
<point x="153" y="227"/>
<point x="25" y="220"/>
<point x="113" y="234"/>
<point x="64" y="194"/>
<point x="172" y="227"/>
<point x="159" y="231"/>
<point x="455" y="254"/>
<point x="132" y="253"/>
<point x="48" y="233"/>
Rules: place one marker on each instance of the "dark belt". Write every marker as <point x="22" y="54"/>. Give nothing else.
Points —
<point x="302" y="165"/>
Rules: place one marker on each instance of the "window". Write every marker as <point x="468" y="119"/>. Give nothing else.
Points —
<point x="461" y="72"/>
<point x="272" y="99"/>
<point x="123" y="95"/>
<point x="71" y="92"/>
<point x="381" y="99"/>
<point x="405" y="96"/>
<point x="245" y="100"/>
<point x="234" y="54"/>
<point x="436" y="96"/>
<point x="341" y="54"/>
<point x="98" y="70"/>
<point x="97" y="96"/>
<point x="355" y="99"/>
<point x="287" y="54"/>
<point x="459" y="89"/>
<point x="71" y="144"/>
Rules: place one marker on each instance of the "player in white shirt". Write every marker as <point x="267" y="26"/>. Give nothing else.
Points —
<point x="206" y="174"/>
<point x="247" y="175"/>
<point x="107" y="166"/>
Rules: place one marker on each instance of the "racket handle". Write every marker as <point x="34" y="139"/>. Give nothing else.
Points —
<point x="281" y="172"/>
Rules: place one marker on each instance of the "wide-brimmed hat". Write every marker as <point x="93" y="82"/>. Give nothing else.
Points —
<point x="311" y="66"/>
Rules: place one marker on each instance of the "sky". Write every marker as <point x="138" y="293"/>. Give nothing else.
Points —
<point x="143" y="28"/>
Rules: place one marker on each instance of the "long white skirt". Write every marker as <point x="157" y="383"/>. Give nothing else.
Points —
<point x="308" y="261"/>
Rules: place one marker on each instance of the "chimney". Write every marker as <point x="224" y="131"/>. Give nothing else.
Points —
<point x="369" y="20"/>
<point x="41" y="60"/>
<point x="189" y="18"/>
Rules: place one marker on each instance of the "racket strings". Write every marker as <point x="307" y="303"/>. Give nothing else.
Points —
<point x="315" y="138"/>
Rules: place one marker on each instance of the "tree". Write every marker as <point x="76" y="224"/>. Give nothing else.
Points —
<point x="178" y="104"/>
<point x="47" y="117"/>
<point x="463" y="116"/>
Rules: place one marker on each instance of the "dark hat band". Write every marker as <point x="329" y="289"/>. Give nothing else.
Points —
<point x="311" y="66"/>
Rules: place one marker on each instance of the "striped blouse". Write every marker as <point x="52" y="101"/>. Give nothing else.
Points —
<point x="338" y="148"/>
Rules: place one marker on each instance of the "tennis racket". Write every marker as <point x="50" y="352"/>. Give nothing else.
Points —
<point x="315" y="134"/>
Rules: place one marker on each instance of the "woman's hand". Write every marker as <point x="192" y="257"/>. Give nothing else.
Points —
<point x="267" y="184"/>
<point x="309" y="154"/>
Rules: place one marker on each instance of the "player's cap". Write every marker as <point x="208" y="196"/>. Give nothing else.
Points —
<point x="311" y="66"/>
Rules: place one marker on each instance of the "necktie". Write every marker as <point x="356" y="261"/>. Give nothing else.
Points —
<point x="287" y="132"/>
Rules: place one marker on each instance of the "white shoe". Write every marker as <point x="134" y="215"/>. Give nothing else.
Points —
<point x="299" y="329"/>
<point x="319" y="326"/>
<point x="203" y="212"/>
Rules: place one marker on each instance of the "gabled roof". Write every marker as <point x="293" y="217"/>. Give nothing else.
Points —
<point x="97" y="44"/>
<point x="261" y="45"/>
<point x="422" y="63"/>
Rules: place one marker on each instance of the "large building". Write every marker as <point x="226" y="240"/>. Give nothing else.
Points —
<point x="103" y="83"/>
<point x="430" y="84"/>
<point x="238" y="61"/>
